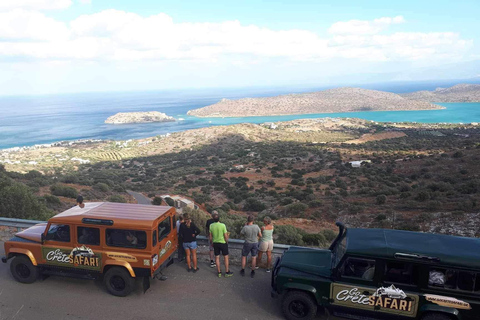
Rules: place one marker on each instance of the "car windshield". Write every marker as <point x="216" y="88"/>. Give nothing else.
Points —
<point x="339" y="251"/>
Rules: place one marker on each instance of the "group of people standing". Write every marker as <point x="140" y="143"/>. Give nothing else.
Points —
<point x="257" y="242"/>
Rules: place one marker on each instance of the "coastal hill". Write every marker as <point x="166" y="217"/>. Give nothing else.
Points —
<point x="457" y="93"/>
<point x="327" y="101"/>
<point x="139" y="117"/>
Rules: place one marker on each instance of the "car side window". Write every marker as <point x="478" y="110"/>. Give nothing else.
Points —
<point x="453" y="279"/>
<point x="126" y="238"/>
<point x="164" y="228"/>
<point x="154" y="240"/>
<point x="363" y="269"/>
<point x="59" y="232"/>
<point x="400" y="272"/>
<point x="89" y="236"/>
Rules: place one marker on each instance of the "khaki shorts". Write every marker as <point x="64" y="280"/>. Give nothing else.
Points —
<point x="265" y="246"/>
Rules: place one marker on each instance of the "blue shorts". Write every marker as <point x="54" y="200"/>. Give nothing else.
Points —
<point x="190" y="245"/>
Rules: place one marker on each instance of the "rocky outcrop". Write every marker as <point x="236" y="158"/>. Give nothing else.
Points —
<point x="139" y="117"/>
<point x="328" y="101"/>
<point x="457" y="93"/>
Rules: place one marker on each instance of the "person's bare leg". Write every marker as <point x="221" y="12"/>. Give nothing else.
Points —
<point x="244" y="262"/>
<point x="187" y="253"/>
<point x="269" y="259"/>
<point x="194" y="256"/>
<point x="227" y="269"/>
<point x="212" y="256"/>
<point x="254" y="262"/>
<point x="260" y="254"/>
<point x="217" y="261"/>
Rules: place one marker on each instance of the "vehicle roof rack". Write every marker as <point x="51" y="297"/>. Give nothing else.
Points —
<point x="97" y="221"/>
<point x="413" y="256"/>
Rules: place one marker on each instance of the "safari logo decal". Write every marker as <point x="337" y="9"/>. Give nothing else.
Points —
<point x="80" y="257"/>
<point x="448" y="302"/>
<point x="384" y="299"/>
<point x="391" y="298"/>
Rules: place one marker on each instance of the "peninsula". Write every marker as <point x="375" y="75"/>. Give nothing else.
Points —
<point x="139" y="117"/>
<point x="327" y="101"/>
<point x="457" y="93"/>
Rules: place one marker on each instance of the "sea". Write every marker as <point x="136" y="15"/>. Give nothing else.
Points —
<point x="43" y="119"/>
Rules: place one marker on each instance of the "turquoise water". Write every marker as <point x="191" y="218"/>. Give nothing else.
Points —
<point x="454" y="113"/>
<point x="26" y="121"/>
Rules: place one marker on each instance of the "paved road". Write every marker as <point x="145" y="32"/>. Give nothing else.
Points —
<point x="184" y="295"/>
<point x="198" y="296"/>
<point x="141" y="199"/>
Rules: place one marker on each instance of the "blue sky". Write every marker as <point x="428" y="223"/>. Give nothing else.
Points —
<point x="60" y="46"/>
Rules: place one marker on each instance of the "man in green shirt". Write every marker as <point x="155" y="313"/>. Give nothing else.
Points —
<point x="219" y="238"/>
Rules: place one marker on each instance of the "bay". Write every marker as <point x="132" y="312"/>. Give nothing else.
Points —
<point x="30" y="120"/>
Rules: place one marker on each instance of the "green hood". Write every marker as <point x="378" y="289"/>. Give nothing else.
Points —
<point x="308" y="260"/>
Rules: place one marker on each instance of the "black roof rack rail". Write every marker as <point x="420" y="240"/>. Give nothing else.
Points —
<point x="414" y="256"/>
<point x="97" y="221"/>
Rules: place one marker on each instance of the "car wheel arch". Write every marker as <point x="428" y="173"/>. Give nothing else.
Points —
<point x="123" y="264"/>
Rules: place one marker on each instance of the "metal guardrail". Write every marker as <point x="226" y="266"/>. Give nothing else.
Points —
<point x="18" y="223"/>
<point x="234" y="244"/>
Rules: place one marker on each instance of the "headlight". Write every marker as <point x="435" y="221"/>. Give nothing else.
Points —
<point x="155" y="260"/>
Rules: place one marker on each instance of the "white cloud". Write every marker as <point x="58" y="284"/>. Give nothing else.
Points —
<point x="85" y="1"/>
<point x="34" y="4"/>
<point x="20" y="25"/>
<point x="123" y="36"/>
<point x="364" y="26"/>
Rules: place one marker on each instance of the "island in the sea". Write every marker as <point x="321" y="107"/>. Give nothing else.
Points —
<point x="327" y="101"/>
<point x="139" y="117"/>
<point x="457" y="93"/>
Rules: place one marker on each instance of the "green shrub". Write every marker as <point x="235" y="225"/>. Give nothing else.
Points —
<point x="297" y="208"/>
<point x="117" y="198"/>
<point x="103" y="187"/>
<point x="63" y="191"/>
<point x="289" y="235"/>
<point x="329" y="235"/>
<point x="17" y="201"/>
<point x="381" y="199"/>
<point x="317" y="239"/>
<point x="254" y="205"/>
<point x="157" y="201"/>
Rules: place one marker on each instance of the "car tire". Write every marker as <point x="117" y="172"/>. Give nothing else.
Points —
<point x="299" y="305"/>
<point x="436" y="316"/>
<point x="119" y="282"/>
<point x="23" y="270"/>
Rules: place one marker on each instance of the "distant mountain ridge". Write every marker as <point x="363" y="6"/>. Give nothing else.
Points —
<point x="328" y="101"/>
<point x="457" y="93"/>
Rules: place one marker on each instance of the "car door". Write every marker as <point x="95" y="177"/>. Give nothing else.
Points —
<point x="87" y="252"/>
<point x="57" y="245"/>
<point x="166" y="239"/>
<point x="353" y="285"/>
<point x="397" y="294"/>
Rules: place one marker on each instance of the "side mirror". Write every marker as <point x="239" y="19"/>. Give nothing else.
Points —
<point x="43" y="238"/>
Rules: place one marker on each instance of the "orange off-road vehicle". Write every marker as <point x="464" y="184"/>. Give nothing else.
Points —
<point x="118" y="241"/>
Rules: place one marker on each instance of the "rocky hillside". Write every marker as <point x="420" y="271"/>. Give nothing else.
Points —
<point x="328" y="101"/>
<point x="457" y="93"/>
<point x="139" y="117"/>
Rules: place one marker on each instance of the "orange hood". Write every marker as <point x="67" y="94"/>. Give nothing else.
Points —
<point x="33" y="233"/>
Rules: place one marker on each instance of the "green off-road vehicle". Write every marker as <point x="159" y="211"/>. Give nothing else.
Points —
<point x="382" y="274"/>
